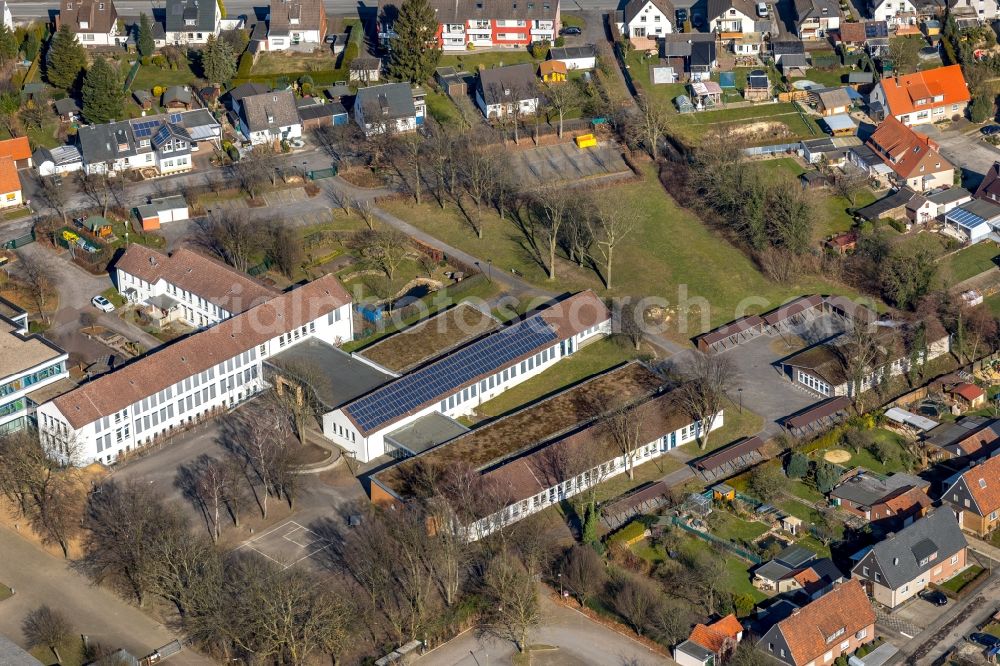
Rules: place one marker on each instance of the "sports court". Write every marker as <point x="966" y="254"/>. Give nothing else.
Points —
<point x="287" y="544"/>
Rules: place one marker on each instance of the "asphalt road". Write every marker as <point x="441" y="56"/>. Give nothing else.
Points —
<point x="964" y="147"/>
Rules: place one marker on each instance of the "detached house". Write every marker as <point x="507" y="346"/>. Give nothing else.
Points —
<point x="975" y="496"/>
<point x="392" y="107"/>
<point x="989" y="188"/>
<point x="192" y="21"/>
<point x="913" y="157"/>
<point x="270" y="117"/>
<point x="648" y="18"/>
<point x="731" y="18"/>
<point x="94" y="22"/>
<point x="929" y="551"/>
<point x="837" y="623"/>
<point x="465" y="23"/>
<point x="504" y="91"/>
<point x="815" y="18"/>
<point x="295" y="23"/>
<point x="10" y="184"/>
<point x="892" y="502"/>
<point x="923" y="97"/>
<point x="893" y="12"/>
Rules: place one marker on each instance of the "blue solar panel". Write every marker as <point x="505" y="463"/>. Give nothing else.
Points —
<point x="450" y="373"/>
<point x="144" y="128"/>
<point x="176" y="117"/>
<point x="162" y="135"/>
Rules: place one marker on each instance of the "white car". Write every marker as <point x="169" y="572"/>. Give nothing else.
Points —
<point x="102" y="304"/>
<point x="762" y="9"/>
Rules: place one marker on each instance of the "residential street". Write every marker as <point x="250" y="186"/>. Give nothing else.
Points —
<point x="966" y="150"/>
<point x="580" y="641"/>
<point x="39" y="578"/>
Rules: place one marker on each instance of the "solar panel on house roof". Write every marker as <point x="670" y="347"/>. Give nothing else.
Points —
<point x="144" y="128"/>
<point x="437" y="379"/>
<point x="966" y="219"/>
<point x="176" y="117"/>
<point x="162" y="135"/>
<point x="876" y="29"/>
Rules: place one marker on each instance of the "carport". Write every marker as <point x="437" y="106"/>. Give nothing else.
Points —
<point x="730" y="335"/>
<point x="730" y="460"/>
<point x="820" y="416"/>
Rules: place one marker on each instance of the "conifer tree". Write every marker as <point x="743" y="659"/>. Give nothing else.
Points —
<point x="414" y="50"/>
<point x="66" y="59"/>
<point x="103" y="96"/>
<point x="144" y="42"/>
<point x="218" y="60"/>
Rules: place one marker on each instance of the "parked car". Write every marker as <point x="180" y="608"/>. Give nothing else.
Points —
<point x="682" y="16"/>
<point x="986" y="640"/>
<point x="571" y="30"/>
<point x="762" y="9"/>
<point x="990" y="130"/>
<point x="935" y="597"/>
<point x="102" y="304"/>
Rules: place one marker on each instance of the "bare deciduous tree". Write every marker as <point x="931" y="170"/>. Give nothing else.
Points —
<point x="37" y="279"/>
<point x="97" y="187"/>
<point x="653" y="124"/>
<point x="47" y="627"/>
<point x="703" y="394"/>
<point x="622" y="424"/>
<point x="232" y="236"/>
<point x="583" y="573"/>
<point x="256" y="168"/>
<point x="613" y="223"/>
<point x="513" y="610"/>
<point x="383" y="248"/>
<point x="553" y="207"/>
<point x="54" y="195"/>
<point x="635" y="599"/>
<point x="562" y="98"/>
<point x="862" y="356"/>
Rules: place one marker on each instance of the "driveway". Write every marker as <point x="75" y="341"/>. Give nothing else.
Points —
<point x="966" y="150"/>
<point x="40" y="578"/>
<point x="580" y="641"/>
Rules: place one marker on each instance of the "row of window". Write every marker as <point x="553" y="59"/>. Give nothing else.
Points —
<point x="813" y="383"/>
<point x="498" y="379"/>
<point x="33" y="378"/>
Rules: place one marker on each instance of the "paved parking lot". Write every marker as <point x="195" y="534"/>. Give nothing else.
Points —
<point x="564" y="162"/>
<point x="288" y="544"/>
<point x="965" y="150"/>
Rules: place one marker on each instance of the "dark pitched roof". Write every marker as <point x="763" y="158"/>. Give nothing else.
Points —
<point x="571" y="52"/>
<point x="100" y="16"/>
<point x="460" y="11"/>
<point x="177" y="94"/>
<point x="202" y="12"/>
<point x="328" y="110"/>
<point x="393" y="100"/>
<point x="899" y="198"/>
<point x="989" y="188"/>
<point x="717" y="8"/>
<point x="309" y="14"/>
<point x="507" y="84"/>
<point x="635" y="6"/>
<point x="270" y="110"/>
<point x="906" y="554"/>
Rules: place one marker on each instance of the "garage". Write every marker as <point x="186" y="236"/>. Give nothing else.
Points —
<point x="162" y="211"/>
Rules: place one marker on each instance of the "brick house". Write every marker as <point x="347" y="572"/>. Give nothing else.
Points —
<point x="839" y="622"/>
<point x="913" y="157"/>
<point x="975" y="496"/>
<point x="890" y="503"/>
<point x="929" y="551"/>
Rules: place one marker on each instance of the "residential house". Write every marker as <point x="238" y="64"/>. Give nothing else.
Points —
<point x="270" y="117"/>
<point x="973" y="221"/>
<point x="975" y="496"/>
<point x="162" y="142"/>
<point x="815" y="18"/>
<point x="967" y="396"/>
<point x="893" y="12"/>
<point x="710" y="644"/>
<point x="947" y="199"/>
<point x="897" y="205"/>
<point x="295" y="23"/>
<point x="926" y="552"/>
<point x="319" y="114"/>
<point x="391" y="106"/>
<point x="461" y="23"/>
<point x="504" y="91"/>
<point x="94" y="22"/>
<point x="177" y="98"/>
<point x="923" y="97"/>
<point x="552" y="71"/>
<point x="970" y="437"/>
<point x="575" y="57"/>
<point x="648" y="19"/>
<point x="732" y="18"/>
<point x="59" y="160"/>
<point x="693" y="53"/>
<point x="10" y="184"/>
<point x="889" y="503"/>
<point x="835" y="624"/>
<point x="832" y="101"/>
<point x="192" y="21"/>
<point x="777" y="573"/>
<point x="913" y="157"/>
<point x="143" y="98"/>
<point x="200" y="291"/>
<point x="822" y="368"/>
<point x="830" y="150"/>
<point x="233" y="99"/>
<point x="194" y="378"/>
<point x="789" y="47"/>
<point x="989" y="186"/>
<point x="973" y="12"/>
<point x="18" y="150"/>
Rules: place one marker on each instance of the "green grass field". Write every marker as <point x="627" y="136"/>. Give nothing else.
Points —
<point x="735" y="425"/>
<point x="149" y="76"/>
<point x="864" y="458"/>
<point x="671" y="254"/>
<point x="471" y="60"/>
<point x="961" y="580"/>
<point x="443" y="109"/>
<point x="970" y="261"/>
<point x="735" y="529"/>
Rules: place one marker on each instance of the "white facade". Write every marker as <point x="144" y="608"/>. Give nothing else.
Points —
<point x="984" y="10"/>
<point x="733" y="20"/>
<point x="5" y="15"/>
<point x="110" y="38"/>
<point x="523" y="508"/>
<point x="337" y="426"/>
<point x="269" y="136"/>
<point x="9" y="199"/>
<point x="294" y="38"/>
<point x="195" y="310"/>
<point x="895" y="12"/>
<point x="47" y="365"/>
<point x="649" y="22"/>
<point x="185" y="402"/>
<point x="524" y="107"/>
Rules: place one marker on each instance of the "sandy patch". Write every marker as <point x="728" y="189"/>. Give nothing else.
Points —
<point x="837" y="456"/>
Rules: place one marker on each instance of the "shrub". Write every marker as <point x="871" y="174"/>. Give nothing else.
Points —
<point x="560" y="41"/>
<point x="147" y="61"/>
<point x="898" y="225"/>
<point x="159" y="61"/>
<point x="826" y="476"/>
<point x="233" y="153"/>
<point x="743" y="604"/>
<point x="351" y="51"/>
<point x="627" y="535"/>
<point x="798" y="466"/>
<point x="157" y="91"/>
<point x="539" y="49"/>
<point x="306" y="80"/>
<point x="306" y="89"/>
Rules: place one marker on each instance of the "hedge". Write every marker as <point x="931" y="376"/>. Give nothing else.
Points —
<point x="631" y="533"/>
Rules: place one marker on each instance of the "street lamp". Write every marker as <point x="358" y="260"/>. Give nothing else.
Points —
<point x="559" y="575"/>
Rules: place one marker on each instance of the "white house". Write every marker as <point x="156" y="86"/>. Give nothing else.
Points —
<point x="59" y="160"/>
<point x="575" y="57"/>
<point x="30" y="363"/>
<point x="648" y="18"/>
<point x="731" y="17"/>
<point x="506" y="91"/>
<point x="393" y="107"/>
<point x="192" y="21"/>
<point x="893" y="12"/>
<point x="201" y="290"/>
<point x="10" y="184"/>
<point x="457" y="383"/>
<point x="928" y="96"/>
<point x="94" y="22"/>
<point x="270" y="117"/>
<point x="295" y="23"/>
<point x="193" y="378"/>
<point x="973" y="221"/>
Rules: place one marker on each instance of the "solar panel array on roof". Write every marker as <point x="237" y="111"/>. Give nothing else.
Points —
<point x="876" y="29"/>
<point x="144" y="128"/>
<point x="162" y="135"/>
<point x="176" y="117"/>
<point x="428" y="383"/>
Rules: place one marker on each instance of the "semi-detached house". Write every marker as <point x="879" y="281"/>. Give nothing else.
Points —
<point x="482" y="23"/>
<point x="975" y="496"/>
<point x="193" y="378"/>
<point x="923" y="97"/>
<point x="269" y="117"/>
<point x="648" y="18"/>
<point x="94" y="22"/>
<point x="192" y="21"/>
<point x="469" y="376"/>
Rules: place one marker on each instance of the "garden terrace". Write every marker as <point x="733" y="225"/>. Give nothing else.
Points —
<point x="429" y="339"/>
<point x="534" y="424"/>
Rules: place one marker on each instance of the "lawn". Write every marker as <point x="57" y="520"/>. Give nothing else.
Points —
<point x="833" y="76"/>
<point x="149" y="76"/>
<point x="864" y="458"/>
<point x="736" y="424"/>
<point x="800" y="489"/>
<point x="671" y="251"/>
<point x="970" y="261"/>
<point x="471" y="60"/>
<point x="796" y="125"/>
<point x="590" y="360"/>
<point x="735" y="529"/>
<point x="114" y="296"/>
<point x="957" y="583"/>
<point x="993" y="303"/>
<point x="71" y="651"/>
<point x="290" y="61"/>
<point x="737" y="570"/>
<point x="443" y="109"/>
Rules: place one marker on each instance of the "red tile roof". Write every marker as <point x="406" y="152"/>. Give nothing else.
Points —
<point x="968" y="391"/>
<point x="983" y="483"/>
<point x="915" y="92"/>
<point x="905" y="151"/>
<point x="16" y="149"/>
<point x="717" y="635"/>
<point x="9" y="180"/>
<point x="841" y="612"/>
<point x="165" y="367"/>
